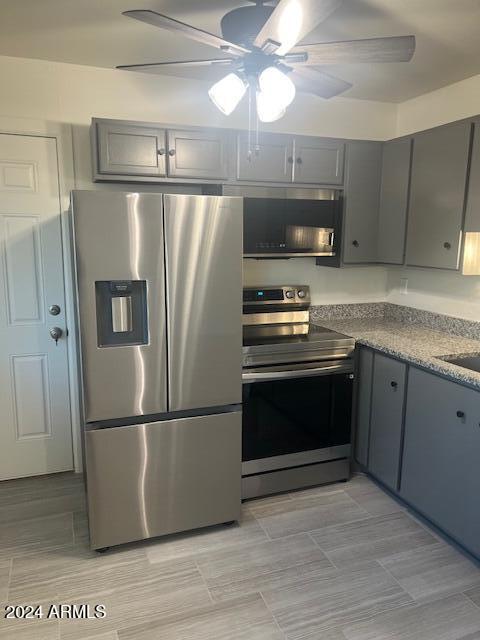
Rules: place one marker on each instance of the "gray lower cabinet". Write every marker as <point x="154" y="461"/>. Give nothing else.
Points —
<point x="362" y="191"/>
<point x="392" y="217"/>
<point x="364" y="398"/>
<point x="270" y="161"/>
<point x="130" y="150"/>
<point x="198" y="154"/>
<point x="386" y="419"/>
<point x="441" y="471"/>
<point x="318" y="161"/>
<point x="437" y="196"/>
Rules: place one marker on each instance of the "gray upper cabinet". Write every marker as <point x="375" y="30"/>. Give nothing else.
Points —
<point x="130" y="150"/>
<point x="362" y="190"/>
<point x="440" y="471"/>
<point x="318" y="161"/>
<point x="198" y="154"/>
<point x="364" y="398"/>
<point x="437" y="195"/>
<point x="271" y="162"/>
<point x="386" y="421"/>
<point x="392" y="218"/>
<point x="472" y="217"/>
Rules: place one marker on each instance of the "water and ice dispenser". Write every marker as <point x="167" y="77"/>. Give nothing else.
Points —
<point x="121" y="312"/>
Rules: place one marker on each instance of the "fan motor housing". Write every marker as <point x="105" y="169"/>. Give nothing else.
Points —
<point x="242" y="25"/>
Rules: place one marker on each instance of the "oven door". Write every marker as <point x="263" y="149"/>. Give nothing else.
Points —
<point x="296" y="415"/>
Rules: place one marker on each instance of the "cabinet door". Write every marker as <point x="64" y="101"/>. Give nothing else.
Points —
<point x="364" y="397"/>
<point x="392" y="220"/>
<point x="388" y="393"/>
<point x="318" y="161"/>
<point x="440" y="471"/>
<point x="272" y="163"/>
<point x="439" y="172"/>
<point x="197" y="154"/>
<point x="362" y="188"/>
<point x="130" y="150"/>
<point x="472" y="216"/>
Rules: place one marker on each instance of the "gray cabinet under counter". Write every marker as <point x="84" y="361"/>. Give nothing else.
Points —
<point x="386" y="419"/>
<point x="440" y="470"/>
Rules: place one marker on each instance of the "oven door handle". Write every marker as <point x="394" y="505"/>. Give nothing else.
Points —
<point x="325" y="369"/>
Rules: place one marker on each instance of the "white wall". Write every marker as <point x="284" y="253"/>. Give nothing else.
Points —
<point x="73" y="94"/>
<point x="454" y="102"/>
<point x="327" y="285"/>
<point x="433" y="290"/>
<point x="430" y="289"/>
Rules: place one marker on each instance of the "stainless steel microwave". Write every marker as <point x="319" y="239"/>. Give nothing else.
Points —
<point x="288" y="222"/>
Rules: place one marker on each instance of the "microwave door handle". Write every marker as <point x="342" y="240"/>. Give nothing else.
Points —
<point x="268" y="376"/>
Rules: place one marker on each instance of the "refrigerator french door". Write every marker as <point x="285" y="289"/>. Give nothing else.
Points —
<point x="159" y="306"/>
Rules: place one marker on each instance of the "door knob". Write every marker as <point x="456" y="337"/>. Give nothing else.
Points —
<point x="56" y="333"/>
<point x="54" y="310"/>
<point x="394" y="384"/>
<point x="356" y="243"/>
<point x="171" y="152"/>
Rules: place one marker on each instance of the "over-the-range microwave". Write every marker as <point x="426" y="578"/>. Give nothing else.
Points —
<point x="289" y="222"/>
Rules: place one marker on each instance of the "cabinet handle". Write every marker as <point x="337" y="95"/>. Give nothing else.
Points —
<point x="290" y="160"/>
<point x="355" y="243"/>
<point x="161" y="152"/>
<point x="460" y="414"/>
<point x="171" y="152"/>
<point x="447" y="245"/>
<point x="299" y="161"/>
<point x="394" y="384"/>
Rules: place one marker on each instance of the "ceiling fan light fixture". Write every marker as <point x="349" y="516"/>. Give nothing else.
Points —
<point x="268" y="109"/>
<point x="227" y="93"/>
<point x="277" y="86"/>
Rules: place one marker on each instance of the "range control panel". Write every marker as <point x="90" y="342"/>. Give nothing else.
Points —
<point x="286" y="294"/>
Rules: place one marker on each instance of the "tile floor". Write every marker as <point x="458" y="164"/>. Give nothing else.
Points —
<point x="343" y="562"/>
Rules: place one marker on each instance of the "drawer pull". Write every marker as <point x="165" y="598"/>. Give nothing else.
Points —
<point x="355" y="243"/>
<point x="394" y="384"/>
<point x="460" y="414"/>
<point x="447" y="245"/>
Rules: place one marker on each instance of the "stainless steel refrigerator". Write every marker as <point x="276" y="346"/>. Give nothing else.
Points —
<point x="159" y="298"/>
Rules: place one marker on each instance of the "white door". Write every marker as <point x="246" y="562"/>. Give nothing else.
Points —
<point x="35" y="424"/>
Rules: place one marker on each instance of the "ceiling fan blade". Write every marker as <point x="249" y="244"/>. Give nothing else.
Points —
<point x="159" y="20"/>
<point x="292" y="20"/>
<point x="394" y="49"/>
<point x="177" y="63"/>
<point x="310" y="80"/>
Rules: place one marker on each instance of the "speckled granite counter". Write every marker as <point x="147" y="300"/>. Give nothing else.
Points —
<point x="400" y="332"/>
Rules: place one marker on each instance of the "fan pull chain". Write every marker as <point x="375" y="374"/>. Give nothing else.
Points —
<point x="249" y="141"/>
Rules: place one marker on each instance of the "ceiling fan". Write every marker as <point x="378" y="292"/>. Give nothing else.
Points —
<point x="260" y="53"/>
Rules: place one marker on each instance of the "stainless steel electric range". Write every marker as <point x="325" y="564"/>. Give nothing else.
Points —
<point x="297" y="394"/>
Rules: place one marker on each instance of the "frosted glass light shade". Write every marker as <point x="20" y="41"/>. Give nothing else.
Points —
<point x="227" y="93"/>
<point x="268" y="110"/>
<point x="277" y="86"/>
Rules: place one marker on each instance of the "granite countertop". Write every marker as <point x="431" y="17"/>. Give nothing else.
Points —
<point x="410" y="341"/>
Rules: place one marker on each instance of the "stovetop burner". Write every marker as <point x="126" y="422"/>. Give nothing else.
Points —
<point x="277" y="329"/>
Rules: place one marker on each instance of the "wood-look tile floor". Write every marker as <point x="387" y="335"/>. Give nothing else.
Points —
<point x="342" y="562"/>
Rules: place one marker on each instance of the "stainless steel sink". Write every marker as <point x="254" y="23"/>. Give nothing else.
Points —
<point x="470" y="361"/>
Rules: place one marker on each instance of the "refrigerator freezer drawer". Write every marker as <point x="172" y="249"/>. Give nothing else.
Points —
<point x="163" y="477"/>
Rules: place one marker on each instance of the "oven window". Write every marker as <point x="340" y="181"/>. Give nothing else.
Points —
<point x="290" y="416"/>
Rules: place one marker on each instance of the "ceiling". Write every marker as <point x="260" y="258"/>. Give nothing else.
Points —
<point x="93" y="32"/>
